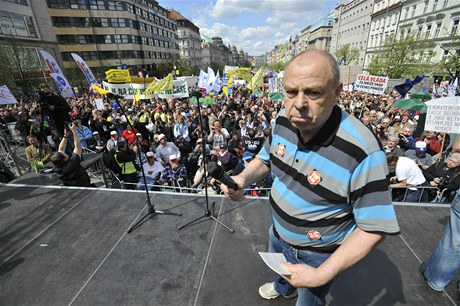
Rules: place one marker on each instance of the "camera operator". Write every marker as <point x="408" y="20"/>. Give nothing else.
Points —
<point x="55" y="106"/>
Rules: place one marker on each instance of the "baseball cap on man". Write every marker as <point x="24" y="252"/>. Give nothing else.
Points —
<point x="161" y="136"/>
<point x="149" y="154"/>
<point x="95" y="133"/>
<point x="420" y="146"/>
<point x="113" y="133"/>
<point x="173" y="157"/>
<point x="247" y="155"/>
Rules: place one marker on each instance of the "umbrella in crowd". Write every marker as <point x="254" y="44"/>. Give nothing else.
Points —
<point x="420" y="96"/>
<point x="410" y="104"/>
<point x="277" y="96"/>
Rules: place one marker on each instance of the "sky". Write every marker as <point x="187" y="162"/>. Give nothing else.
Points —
<point x="256" y="26"/>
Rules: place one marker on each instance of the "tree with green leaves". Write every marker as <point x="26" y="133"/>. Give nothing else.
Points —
<point x="277" y="66"/>
<point x="19" y="65"/>
<point x="450" y="62"/>
<point x="347" y="55"/>
<point x="402" y="57"/>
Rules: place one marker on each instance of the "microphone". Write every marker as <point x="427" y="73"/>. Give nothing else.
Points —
<point x="111" y="95"/>
<point x="218" y="173"/>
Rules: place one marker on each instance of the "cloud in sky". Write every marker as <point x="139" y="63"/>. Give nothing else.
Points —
<point x="256" y="26"/>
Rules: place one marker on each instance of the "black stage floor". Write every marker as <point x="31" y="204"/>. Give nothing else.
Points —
<point x="61" y="246"/>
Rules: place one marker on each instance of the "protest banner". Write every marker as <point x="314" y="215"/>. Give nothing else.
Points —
<point x="371" y="84"/>
<point x="443" y="115"/>
<point x="128" y="91"/>
<point x="6" y="97"/>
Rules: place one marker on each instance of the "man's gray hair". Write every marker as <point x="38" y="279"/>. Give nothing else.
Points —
<point x="335" y="70"/>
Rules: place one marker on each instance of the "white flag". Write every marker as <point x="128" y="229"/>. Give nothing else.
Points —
<point x="202" y="79"/>
<point x="6" y="97"/>
<point x="211" y="79"/>
<point x="63" y="84"/>
<point x="217" y="84"/>
<point x="85" y="69"/>
<point x="51" y="62"/>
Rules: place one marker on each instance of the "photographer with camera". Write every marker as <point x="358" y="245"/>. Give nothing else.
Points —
<point x="68" y="167"/>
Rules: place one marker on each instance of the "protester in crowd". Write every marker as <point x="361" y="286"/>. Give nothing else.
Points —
<point x="143" y="143"/>
<point x="129" y="134"/>
<point x="312" y="134"/>
<point x="69" y="168"/>
<point x="84" y="134"/>
<point x="99" y="144"/>
<point x="218" y="136"/>
<point x="152" y="170"/>
<point x="406" y="138"/>
<point x="366" y="120"/>
<point x="174" y="173"/>
<point x="408" y="175"/>
<point x="181" y="129"/>
<point x="392" y="146"/>
<point x="419" y="155"/>
<point x="125" y="158"/>
<point x="112" y="143"/>
<point x="384" y="130"/>
<point x="444" y="175"/>
<point x="22" y="127"/>
<point x="235" y="145"/>
<point x="433" y="144"/>
<point x="37" y="154"/>
<point x="252" y="142"/>
<point x="165" y="149"/>
<point x="185" y="149"/>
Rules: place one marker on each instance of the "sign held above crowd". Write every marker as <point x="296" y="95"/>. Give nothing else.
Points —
<point x="371" y="84"/>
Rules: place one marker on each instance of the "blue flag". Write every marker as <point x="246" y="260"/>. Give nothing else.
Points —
<point x="404" y="88"/>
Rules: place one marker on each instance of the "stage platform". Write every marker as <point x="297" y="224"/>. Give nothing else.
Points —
<point x="70" y="246"/>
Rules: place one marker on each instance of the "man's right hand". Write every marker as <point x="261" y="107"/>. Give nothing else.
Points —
<point x="232" y="194"/>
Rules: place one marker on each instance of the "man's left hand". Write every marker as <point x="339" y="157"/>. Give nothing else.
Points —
<point x="303" y="276"/>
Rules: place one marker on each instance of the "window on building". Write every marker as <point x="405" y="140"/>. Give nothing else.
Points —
<point x="78" y="4"/>
<point x="454" y="27"/>
<point x="23" y="2"/>
<point x="444" y="5"/>
<point x="425" y="6"/>
<point x="419" y="32"/>
<point x="437" y="29"/>
<point x="428" y="31"/>
<point x="97" y="4"/>
<point x="435" y="5"/>
<point x="414" y="8"/>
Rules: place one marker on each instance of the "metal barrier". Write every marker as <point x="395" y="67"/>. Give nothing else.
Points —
<point x="423" y="189"/>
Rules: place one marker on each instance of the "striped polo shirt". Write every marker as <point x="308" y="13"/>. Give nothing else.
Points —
<point x="323" y="189"/>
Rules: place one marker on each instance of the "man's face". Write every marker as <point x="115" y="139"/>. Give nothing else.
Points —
<point x="404" y="119"/>
<point x="33" y="141"/>
<point x="392" y="143"/>
<point x="430" y="135"/>
<point x="452" y="162"/>
<point x="310" y="96"/>
<point x="407" y="132"/>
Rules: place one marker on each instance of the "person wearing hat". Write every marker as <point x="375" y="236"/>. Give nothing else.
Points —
<point x="112" y="143"/>
<point x="174" y="173"/>
<point x="152" y="170"/>
<point x="143" y="143"/>
<point x="125" y="158"/>
<point x="419" y="155"/>
<point x="99" y="143"/>
<point x="165" y="149"/>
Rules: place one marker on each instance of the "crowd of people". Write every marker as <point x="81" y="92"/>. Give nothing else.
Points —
<point x="171" y="134"/>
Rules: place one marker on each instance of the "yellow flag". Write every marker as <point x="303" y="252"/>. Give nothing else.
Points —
<point x="118" y="76"/>
<point x="257" y="80"/>
<point x="242" y="73"/>
<point x="137" y="97"/>
<point x="150" y="88"/>
<point x="168" y="84"/>
<point x="100" y="90"/>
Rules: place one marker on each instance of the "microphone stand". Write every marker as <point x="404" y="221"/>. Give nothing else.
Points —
<point x="151" y="212"/>
<point x="207" y="212"/>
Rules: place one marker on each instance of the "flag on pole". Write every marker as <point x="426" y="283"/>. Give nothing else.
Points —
<point x="257" y="80"/>
<point x="6" y="97"/>
<point x="84" y="68"/>
<point x="99" y="90"/>
<point x="51" y="62"/>
<point x="403" y="89"/>
<point x="453" y="88"/>
<point x="118" y="76"/>
<point x="202" y="79"/>
<point x="211" y="79"/>
<point x="63" y="85"/>
<point x="167" y="83"/>
<point x="217" y="84"/>
<point x="150" y="88"/>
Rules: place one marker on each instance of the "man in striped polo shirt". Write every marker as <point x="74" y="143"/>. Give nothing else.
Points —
<point x="330" y="200"/>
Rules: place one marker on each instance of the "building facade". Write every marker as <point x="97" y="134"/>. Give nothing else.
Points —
<point x="133" y="33"/>
<point x="320" y="34"/>
<point x="189" y="39"/>
<point x="351" y="26"/>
